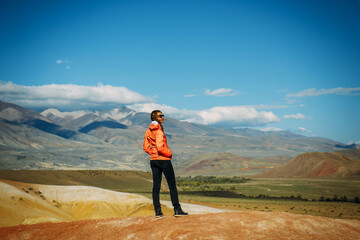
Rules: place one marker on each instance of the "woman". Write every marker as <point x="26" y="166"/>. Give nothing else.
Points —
<point x="155" y="144"/>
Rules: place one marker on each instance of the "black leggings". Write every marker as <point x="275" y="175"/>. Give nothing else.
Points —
<point x="158" y="167"/>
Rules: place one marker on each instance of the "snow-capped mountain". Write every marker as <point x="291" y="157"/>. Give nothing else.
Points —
<point x="81" y="118"/>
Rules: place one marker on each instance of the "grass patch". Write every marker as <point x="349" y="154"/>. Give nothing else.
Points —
<point x="300" y="196"/>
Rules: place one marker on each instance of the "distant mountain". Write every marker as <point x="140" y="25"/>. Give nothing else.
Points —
<point x="258" y="133"/>
<point x="79" y="119"/>
<point x="107" y="124"/>
<point x="114" y="138"/>
<point x="25" y="147"/>
<point x="344" y="164"/>
<point x="73" y="120"/>
<point x="15" y="113"/>
<point x="51" y="128"/>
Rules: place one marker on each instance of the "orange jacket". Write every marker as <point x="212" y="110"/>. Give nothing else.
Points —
<point x="155" y="143"/>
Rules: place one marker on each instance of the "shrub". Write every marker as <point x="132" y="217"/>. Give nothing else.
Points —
<point x="343" y="199"/>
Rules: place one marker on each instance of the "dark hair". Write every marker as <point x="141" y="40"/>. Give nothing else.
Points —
<point x="154" y="116"/>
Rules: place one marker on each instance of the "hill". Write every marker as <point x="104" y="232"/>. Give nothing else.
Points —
<point x="342" y="164"/>
<point x="133" y="181"/>
<point x="32" y="203"/>
<point x="227" y="163"/>
<point x="26" y="203"/>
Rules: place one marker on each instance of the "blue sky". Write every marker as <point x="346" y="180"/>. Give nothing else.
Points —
<point x="266" y="64"/>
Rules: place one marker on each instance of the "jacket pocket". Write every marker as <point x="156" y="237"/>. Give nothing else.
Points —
<point x="153" y="151"/>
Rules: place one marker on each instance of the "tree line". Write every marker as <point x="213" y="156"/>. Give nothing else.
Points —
<point x="201" y="180"/>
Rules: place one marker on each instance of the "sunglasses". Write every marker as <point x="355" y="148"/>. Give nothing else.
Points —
<point x="161" y="116"/>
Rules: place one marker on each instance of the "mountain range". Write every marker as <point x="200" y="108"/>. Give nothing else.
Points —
<point x="112" y="139"/>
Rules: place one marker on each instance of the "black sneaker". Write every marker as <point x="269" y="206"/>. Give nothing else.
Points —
<point x="159" y="214"/>
<point x="180" y="213"/>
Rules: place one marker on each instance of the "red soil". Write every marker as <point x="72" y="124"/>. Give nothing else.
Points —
<point x="230" y="225"/>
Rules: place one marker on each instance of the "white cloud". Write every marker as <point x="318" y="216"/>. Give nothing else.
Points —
<point x="240" y="115"/>
<point x="189" y="95"/>
<point x="303" y="130"/>
<point x="68" y="96"/>
<point x="271" y="129"/>
<point x="352" y="142"/>
<point x="60" y="61"/>
<point x="313" y="92"/>
<point x="296" y="116"/>
<point x="149" y="107"/>
<point x="229" y="115"/>
<point x="266" y="107"/>
<point x="291" y="101"/>
<point x="221" y="92"/>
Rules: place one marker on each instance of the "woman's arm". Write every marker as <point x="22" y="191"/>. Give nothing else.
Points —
<point x="161" y="146"/>
<point x="146" y="145"/>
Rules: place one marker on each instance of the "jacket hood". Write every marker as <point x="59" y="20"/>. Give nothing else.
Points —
<point x="154" y="125"/>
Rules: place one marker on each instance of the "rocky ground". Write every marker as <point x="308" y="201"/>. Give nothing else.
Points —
<point x="34" y="211"/>
<point x="226" y="225"/>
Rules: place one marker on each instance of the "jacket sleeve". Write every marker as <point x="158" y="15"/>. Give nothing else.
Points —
<point x="146" y="145"/>
<point x="161" y="146"/>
